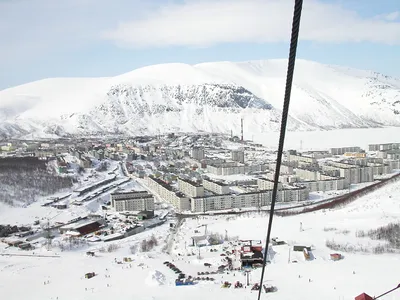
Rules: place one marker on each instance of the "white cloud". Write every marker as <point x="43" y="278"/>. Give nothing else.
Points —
<point x="393" y="16"/>
<point x="208" y="22"/>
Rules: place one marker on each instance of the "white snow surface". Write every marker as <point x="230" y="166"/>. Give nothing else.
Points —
<point x="155" y="278"/>
<point x="209" y="97"/>
<point x="356" y="273"/>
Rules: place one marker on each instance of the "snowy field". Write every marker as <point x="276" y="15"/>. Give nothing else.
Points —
<point x="146" y="277"/>
<point x="320" y="140"/>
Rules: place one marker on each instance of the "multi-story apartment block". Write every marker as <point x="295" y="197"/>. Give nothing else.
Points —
<point x="244" y="200"/>
<point x="267" y="184"/>
<point x="132" y="201"/>
<point x="300" y="158"/>
<point x="168" y="193"/>
<point x="285" y="169"/>
<point x="231" y="168"/>
<point x="237" y="155"/>
<point x="216" y="186"/>
<point x="324" y="185"/>
<point x="190" y="188"/>
<point x="353" y="174"/>
<point x="343" y="150"/>
<point x="384" y="147"/>
<point x="197" y="153"/>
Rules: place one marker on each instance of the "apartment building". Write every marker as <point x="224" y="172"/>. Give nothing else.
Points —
<point x="304" y="159"/>
<point x="343" y="150"/>
<point x="288" y="179"/>
<point x="353" y="174"/>
<point x="267" y="184"/>
<point x="168" y="193"/>
<point x="190" y="188"/>
<point x="246" y="200"/>
<point x="216" y="187"/>
<point x="231" y="168"/>
<point x="230" y="201"/>
<point x="285" y="169"/>
<point x="132" y="201"/>
<point x="384" y="147"/>
<point x="324" y="185"/>
<point x="237" y="155"/>
<point x="197" y="153"/>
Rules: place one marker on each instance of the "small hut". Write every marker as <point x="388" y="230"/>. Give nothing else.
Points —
<point x="336" y="256"/>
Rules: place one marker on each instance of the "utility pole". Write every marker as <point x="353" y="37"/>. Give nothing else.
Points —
<point x="48" y="235"/>
<point x="247" y="275"/>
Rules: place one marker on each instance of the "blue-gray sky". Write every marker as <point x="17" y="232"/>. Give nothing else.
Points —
<point x="56" y="38"/>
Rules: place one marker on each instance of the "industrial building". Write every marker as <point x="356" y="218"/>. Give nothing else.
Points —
<point x="190" y="188"/>
<point x="197" y="153"/>
<point x="237" y="155"/>
<point x="132" y="201"/>
<point x="216" y="187"/>
<point x="168" y="193"/>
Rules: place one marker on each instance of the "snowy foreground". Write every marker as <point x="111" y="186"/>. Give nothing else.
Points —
<point x="146" y="277"/>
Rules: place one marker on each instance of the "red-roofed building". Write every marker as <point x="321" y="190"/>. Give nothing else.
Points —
<point x="364" y="296"/>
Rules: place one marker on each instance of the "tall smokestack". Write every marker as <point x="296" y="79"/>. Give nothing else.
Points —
<point x="241" y="125"/>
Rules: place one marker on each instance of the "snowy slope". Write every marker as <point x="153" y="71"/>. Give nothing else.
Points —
<point x="208" y="96"/>
<point x="148" y="278"/>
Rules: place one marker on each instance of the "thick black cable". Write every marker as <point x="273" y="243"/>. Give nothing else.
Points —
<point x="289" y="79"/>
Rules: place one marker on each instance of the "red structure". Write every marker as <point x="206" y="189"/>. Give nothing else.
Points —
<point x="364" y="296"/>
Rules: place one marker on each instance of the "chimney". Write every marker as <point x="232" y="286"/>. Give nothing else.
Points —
<point x="241" y="124"/>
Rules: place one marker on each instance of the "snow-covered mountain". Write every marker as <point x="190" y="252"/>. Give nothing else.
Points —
<point x="209" y="97"/>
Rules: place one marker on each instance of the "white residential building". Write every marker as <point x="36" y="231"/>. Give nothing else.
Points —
<point x="237" y="155"/>
<point x="300" y="158"/>
<point x="132" y="201"/>
<point x="231" y="168"/>
<point x="197" y="153"/>
<point x="267" y="184"/>
<point x="285" y="169"/>
<point x="190" y="188"/>
<point x="324" y="185"/>
<point x="168" y="193"/>
<point x="343" y="150"/>
<point x="244" y="200"/>
<point x="216" y="186"/>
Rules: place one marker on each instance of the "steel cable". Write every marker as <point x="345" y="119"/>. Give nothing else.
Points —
<point x="289" y="79"/>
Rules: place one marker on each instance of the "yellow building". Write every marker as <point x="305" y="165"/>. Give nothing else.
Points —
<point x="355" y="154"/>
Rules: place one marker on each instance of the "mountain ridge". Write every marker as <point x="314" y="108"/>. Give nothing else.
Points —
<point x="207" y="97"/>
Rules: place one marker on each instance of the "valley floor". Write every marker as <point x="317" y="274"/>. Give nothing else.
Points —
<point x="320" y="278"/>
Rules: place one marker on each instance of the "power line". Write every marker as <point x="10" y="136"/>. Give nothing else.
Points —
<point x="289" y="79"/>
